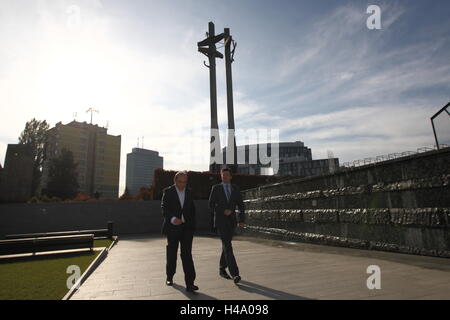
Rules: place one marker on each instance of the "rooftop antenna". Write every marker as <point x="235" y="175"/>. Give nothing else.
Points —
<point x="74" y="116"/>
<point x="331" y="163"/>
<point x="91" y="110"/>
<point x="138" y="143"/>
<point x="107" y="124"/>
<point x="142" y="142"/>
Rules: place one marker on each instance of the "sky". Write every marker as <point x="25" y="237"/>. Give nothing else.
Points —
<point x="312" y="70"/>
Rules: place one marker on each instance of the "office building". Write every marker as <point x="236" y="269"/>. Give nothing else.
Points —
<point x="141" y="164"/>
<point x="294" y="158"/>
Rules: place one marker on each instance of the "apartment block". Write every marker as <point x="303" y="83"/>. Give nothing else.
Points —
<point x="95" y="151"/>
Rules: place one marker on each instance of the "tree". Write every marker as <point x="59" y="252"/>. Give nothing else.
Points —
<point x="62" y="181"/>
<point x="34" y="135"/>
<point x="144" y="194"/>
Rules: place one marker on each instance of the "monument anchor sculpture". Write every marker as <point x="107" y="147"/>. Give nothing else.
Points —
<point x="208" y="48"/>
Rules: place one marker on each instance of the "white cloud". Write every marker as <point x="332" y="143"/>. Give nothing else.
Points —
<point x="340" y="90"/>
<point x="60" y="70"/>
<point x="364" y="132"/>
<point x="340" y="60"/>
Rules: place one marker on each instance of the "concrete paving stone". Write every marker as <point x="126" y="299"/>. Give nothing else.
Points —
<point x="135" y="269"/>
<point x="91" y="294"/>
<point x="134" y="292"/>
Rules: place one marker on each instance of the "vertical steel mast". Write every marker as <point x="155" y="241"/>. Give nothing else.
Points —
<point x="208" y="48"/>
<point x="229" y="53"/>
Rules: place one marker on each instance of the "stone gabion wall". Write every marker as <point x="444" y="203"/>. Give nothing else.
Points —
<point x="400" y="205"/>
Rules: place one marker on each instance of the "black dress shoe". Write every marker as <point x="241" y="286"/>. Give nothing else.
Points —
<point x="224" y="274"/>
<point x="191" y="288"/>
<point x="237" y="279"/>
<point x="169" y="282"/>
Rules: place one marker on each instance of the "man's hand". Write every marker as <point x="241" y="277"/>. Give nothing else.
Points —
<point x="228" y="212"/>
<point x="177" y="221"/>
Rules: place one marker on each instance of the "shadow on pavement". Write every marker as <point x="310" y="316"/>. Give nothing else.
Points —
<point x="268" y="292"/>
<point x="198" y="295"/>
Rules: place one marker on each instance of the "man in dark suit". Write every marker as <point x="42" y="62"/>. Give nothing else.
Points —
<point x="179" y="225"/>
<point x="223" y="199"/>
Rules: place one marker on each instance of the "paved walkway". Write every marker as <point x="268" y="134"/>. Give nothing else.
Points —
<point x="135" y="269"/>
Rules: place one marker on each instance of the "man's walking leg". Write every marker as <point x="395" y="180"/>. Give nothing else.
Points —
<point x="223" y="261"/>
<point x="171" y="256"/>
<point x="227" y="249"/>
<point x="223" y="266"/>
<point x="186" y="258"/>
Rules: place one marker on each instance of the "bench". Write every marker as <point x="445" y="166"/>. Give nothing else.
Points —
<point x="98" y="233"/>
<point x="41" y="244"/>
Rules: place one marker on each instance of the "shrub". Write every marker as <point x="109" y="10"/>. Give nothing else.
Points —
<point x="55" y="199"/>
<point x="144" y="194"/>
<point x="33" y="200"/>
<point x="81" y="197"/>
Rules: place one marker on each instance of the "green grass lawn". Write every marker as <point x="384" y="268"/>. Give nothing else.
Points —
<point x="102" y="243"/>
<point x="42" y="277"/>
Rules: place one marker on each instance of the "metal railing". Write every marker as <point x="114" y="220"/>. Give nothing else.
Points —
<point x="390" y="156"/>
<point x="444" y="108"/>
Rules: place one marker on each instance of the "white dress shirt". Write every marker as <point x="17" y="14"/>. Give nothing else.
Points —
<point x="181" y="195"/>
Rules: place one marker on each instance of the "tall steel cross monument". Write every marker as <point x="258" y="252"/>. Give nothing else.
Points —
<point x="208" y="48"/>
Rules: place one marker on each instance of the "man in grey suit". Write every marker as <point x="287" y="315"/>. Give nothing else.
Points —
<point x="223" y="199"/>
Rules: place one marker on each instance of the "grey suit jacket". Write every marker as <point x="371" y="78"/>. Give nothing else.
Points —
<point x="218" y="203"/>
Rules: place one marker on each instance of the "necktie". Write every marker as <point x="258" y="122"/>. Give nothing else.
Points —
<point x="227" y="189"/>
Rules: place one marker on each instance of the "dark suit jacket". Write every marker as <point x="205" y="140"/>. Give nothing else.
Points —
<point x="218" y="203"/>
<point x="171" y="207"/>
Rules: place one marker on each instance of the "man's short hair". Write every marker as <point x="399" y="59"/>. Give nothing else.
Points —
<point x="180" y="173"/>
<point x="225" y="169"/>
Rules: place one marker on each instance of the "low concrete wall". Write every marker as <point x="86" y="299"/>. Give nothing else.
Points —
<point x="128" y="216"/>
<point x="401" y="205"/>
